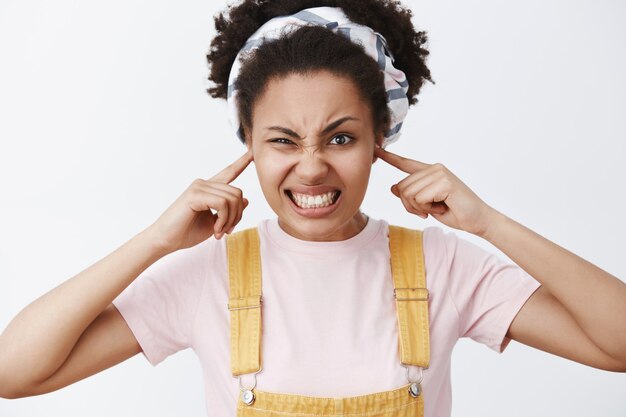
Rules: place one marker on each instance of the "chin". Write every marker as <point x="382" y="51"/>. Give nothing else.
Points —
<point x="329" y="221"/>
<point x="319" y="229"/>
<point x="308" y="229"/>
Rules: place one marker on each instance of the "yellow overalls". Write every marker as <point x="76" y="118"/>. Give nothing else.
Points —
<point x="409" y="277"/>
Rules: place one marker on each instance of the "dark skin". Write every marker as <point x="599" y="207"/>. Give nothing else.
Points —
<point x="39" y="352"/>
<point x="553" y="319"/>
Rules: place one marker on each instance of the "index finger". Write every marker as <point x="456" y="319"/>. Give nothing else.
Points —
<point x="232" y="171"/>
<point x="404" y="164"/>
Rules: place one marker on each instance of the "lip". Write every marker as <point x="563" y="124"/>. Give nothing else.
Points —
<point x="314" y="213"/>
<point x="315" y="190"/>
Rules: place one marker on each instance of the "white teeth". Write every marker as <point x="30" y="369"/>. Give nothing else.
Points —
<point x="309" y="201"/>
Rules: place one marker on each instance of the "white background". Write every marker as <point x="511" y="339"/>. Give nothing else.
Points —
<point x="104" y="121"/>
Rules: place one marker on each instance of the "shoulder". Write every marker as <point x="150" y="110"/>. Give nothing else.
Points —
<point x="454" y="248"/>
<point x="446" y="252"/>
<point x="434" y="239"/>
<point x="195" y="258"/>
<point x="183" y="273"/>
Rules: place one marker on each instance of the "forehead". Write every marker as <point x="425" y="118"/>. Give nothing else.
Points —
<point x="309" y="101"/>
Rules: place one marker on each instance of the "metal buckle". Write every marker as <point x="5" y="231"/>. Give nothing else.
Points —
<point x="254" y="373"/>
<point x="412" y="299"/>
<point x="421" y="374"/>
<point x="247" y="394"/>
<point x="415" y="387"/>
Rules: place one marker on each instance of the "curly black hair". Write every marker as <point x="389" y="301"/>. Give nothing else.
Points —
<point x="316" y="48"/>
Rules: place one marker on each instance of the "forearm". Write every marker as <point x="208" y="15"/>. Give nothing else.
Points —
<point x="40" y="338"/>
<point x="595" y="298"/>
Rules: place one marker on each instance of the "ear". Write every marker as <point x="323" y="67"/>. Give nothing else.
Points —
<point x="378" y="141"/>
<point x="247" y="134"/>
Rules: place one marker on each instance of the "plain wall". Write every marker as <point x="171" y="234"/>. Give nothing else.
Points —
<point x="104" y="122"/>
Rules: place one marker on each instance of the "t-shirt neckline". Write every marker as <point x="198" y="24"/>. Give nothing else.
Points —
<point x="290" y="243"/>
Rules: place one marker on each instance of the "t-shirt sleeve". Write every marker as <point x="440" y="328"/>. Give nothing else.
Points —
<point x="161" y="303"/>
<point x="486" y="290"/>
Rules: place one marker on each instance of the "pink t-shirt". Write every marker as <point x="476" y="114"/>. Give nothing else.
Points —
<point x="329" y="320"/>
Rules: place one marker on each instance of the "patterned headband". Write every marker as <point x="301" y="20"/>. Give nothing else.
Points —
<point x="334" y="19"/>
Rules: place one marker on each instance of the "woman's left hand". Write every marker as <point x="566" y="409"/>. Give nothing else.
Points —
<point x="433" y="189"/>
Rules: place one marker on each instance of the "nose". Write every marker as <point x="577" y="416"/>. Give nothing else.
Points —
<point x="311" y="167"/>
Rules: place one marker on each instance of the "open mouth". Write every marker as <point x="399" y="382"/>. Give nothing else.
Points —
<point x="306" y="201"/>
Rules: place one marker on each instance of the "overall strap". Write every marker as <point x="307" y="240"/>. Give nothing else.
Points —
<point x="244" y="272"/>
<point x="409" y="281"/>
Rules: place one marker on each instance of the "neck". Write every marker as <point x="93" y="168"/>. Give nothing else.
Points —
<point x="346" y="231"/>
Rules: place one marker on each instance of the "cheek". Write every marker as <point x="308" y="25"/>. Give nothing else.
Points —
<point x="355" y="169"/>
<point x="271" y="169"/>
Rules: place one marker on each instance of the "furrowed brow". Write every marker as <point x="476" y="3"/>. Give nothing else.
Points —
<point x="336" y="123"/>
<point x="284" y="130"/>
<point x="327" y="129"/>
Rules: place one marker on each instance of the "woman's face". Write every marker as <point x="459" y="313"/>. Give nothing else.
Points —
<point x="313" y="147"/>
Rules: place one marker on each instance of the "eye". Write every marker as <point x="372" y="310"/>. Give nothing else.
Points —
<point x="341" y="139"/>
<point x="281" y="140"/>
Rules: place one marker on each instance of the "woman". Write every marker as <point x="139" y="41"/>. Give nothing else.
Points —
<point x="313" y="158"/>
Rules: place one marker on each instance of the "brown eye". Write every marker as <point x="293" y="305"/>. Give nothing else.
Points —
<point x="341" y="139"/>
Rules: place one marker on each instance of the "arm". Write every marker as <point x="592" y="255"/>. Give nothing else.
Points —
<point x="580" y="310"/>
<point x="38" y="342"/>
<point x="106" y="342"/>
<point x="74" y="331"/>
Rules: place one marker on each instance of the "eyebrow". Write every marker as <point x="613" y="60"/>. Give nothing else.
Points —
<point x="327" y="129"/>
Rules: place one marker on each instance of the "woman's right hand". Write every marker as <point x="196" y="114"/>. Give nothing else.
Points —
<point x="74" y="330"/>
<point x="191" y="220"/>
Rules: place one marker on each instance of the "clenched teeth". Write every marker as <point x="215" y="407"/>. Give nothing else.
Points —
<point x="313" y="201"/>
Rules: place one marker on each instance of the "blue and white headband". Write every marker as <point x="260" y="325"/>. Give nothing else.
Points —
<point x="334" y="19"/>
